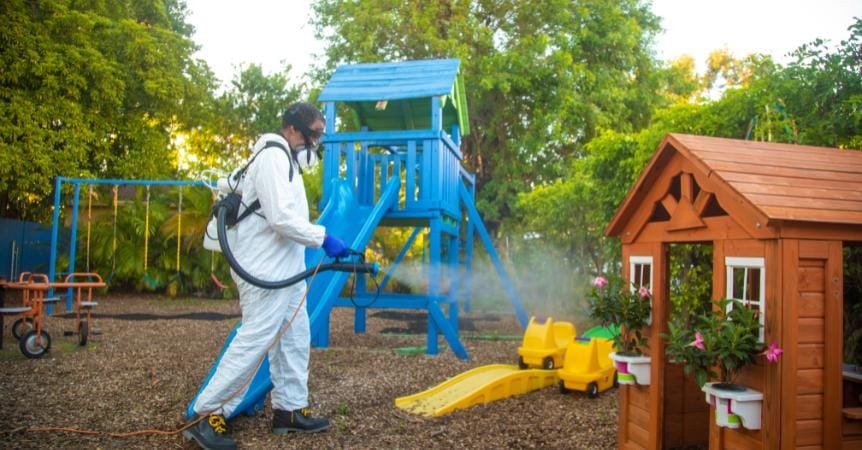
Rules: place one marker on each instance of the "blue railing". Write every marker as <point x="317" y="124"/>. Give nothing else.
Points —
<point x="428" y="163"/>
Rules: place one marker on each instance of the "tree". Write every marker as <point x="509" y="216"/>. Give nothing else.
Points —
<point x="252" y="105"/>
<point x="541" y="77"/>
<point x="814" y="100"/>
<point x="92" y="89"/>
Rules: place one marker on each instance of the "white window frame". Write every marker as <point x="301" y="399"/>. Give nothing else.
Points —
<point x="736" y="262"/>
<point x="634" y="261"/>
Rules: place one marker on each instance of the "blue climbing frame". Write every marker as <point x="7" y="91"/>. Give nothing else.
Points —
<point x="404" y="110"/>
<point x="73" y="233"/>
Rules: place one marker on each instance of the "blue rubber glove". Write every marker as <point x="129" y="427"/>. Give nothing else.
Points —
<point x="334" y="247"/>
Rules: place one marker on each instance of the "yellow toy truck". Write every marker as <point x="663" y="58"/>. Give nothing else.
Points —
<point x="545" y="344"/>
<point x="588" y="367"/>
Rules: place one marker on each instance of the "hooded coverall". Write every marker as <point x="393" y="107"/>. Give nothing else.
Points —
<point x="271" y="246"/>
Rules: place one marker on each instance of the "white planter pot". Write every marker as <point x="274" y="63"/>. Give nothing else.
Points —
<point x="632" y="369"/>
<point x="735" y="408"/>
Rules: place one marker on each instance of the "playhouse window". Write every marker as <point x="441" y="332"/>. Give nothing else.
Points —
<point x="746" y="280"/>
<point x="640" y="274"/>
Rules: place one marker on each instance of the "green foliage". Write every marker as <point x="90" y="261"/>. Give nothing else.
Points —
<point x="729" y="341"/>
<point x="691" y="281"/>
<point x="91" y="89"/>
<point x="613" y="302"/>
<point x="814" y="101"/>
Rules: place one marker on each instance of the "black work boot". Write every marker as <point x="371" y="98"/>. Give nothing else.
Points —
<point x="298" y="420"/>
<point x="209" y="433"/>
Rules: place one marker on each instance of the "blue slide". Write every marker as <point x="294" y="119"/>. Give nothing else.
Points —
<point x="355" y="224"/>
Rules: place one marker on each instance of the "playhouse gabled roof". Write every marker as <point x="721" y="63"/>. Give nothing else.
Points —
<point x="784" y="182"/>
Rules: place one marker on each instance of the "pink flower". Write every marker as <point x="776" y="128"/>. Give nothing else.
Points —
<point x="643" y="292"/>
<point x="600" y="282"/>
<point x="773" y="352"/>
<point x="698" y="341"/>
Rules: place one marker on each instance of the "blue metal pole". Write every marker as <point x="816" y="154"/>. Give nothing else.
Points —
<point x="73" y="240"/>
<point x="55" y="230"/>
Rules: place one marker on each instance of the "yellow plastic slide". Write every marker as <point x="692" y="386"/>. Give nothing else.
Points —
<point x="480" y="385"/>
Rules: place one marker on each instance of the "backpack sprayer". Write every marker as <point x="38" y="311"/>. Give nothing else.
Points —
<point x="226" y="214"/>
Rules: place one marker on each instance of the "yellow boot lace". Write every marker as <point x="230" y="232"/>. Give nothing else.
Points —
<point x="218" y="424"/>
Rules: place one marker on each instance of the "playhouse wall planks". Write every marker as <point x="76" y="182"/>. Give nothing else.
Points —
<point x="795" y="207"/>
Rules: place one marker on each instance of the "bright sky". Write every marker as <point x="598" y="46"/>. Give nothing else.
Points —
<point x="274" y="32"/>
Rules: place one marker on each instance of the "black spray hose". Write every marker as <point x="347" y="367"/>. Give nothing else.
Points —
<point x="339" y="266"/>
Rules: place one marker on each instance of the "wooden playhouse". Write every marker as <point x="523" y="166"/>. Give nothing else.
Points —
<point x="778" y="217"/>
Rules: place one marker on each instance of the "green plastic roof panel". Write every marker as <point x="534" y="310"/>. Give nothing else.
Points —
<point x="397" y="95"/>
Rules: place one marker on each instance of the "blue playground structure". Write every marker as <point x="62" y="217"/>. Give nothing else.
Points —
<point x="402" y="168"/>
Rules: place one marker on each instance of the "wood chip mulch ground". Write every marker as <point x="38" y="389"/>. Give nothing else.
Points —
<point x="153" y="353"/>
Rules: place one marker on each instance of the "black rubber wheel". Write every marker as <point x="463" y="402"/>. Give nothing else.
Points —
<point x="30" y="348"/>
<point x="521" y="364"/>
<point x="563" y="388"/>
<point x="83" y="333"/>
<point x="592" y="390"/>
<point x="548" y="363"/>
<point x="21" y="326"/>
<point x="616" y="381"/>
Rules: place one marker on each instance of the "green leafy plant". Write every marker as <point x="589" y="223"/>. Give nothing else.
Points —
<point x="717" y="344"/>
<point x="613" y="302"/>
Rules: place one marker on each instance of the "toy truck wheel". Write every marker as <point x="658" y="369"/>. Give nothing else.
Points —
<point x="83" y="333"/>
<point x="21" y="326"/>
<point x="521" y="364"/>
<point x="616" y="380"/>
<point x="592" y="390"/>
<point x="548" y="363"/>
<point x="30" y="348"/>
<point x="563" y="388"/>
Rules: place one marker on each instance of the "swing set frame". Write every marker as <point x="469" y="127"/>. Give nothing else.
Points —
<point x="76" y="200"/>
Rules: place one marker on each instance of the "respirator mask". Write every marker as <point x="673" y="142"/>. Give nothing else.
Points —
<point x="306" y="157"/>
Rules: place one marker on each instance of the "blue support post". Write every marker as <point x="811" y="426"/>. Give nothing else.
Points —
<point x="434" y="279"/>
<point x="73" y="241"/>
<point x="492" y="253"/>
<point x="55" y="231"/>
<point x="330" y="151"/>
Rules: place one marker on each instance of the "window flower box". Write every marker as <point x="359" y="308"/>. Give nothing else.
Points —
<point x="735" y="407"/>
<point x="632" y="369"/>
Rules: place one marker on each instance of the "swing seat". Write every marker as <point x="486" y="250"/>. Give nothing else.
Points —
<point x="88" y="304"/>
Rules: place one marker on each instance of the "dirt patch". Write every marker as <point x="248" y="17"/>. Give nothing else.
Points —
<point x="152" y="354"/>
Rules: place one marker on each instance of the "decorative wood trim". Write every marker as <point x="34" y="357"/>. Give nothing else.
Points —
<point x="832" y="383"/>
<point x="775" y="325"/>
<point x="657" y="344"/>
<point x="789" y="264"/>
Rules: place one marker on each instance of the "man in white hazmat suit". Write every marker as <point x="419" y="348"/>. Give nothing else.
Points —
<point x="270" y="244"/>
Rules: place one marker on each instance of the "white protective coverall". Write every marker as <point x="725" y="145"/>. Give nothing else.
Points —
<point x="271" y="248"/>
